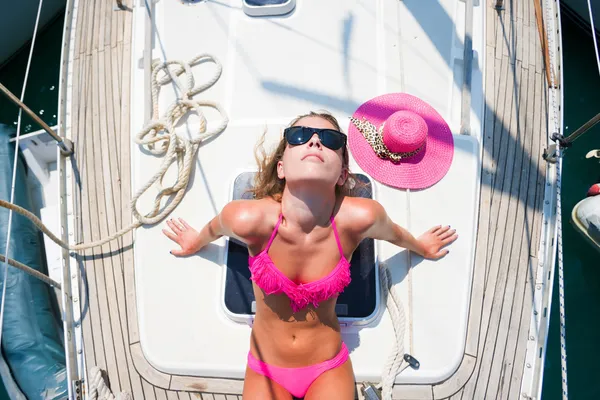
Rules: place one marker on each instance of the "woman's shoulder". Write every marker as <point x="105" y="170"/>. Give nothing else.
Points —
<point x="251" y="218"/>
<point x="358" y="214"/>
<point x="252" y="209"/>
<point x="362" y="207"/>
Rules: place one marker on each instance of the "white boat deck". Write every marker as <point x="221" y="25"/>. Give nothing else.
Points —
<point x="329" y="56"/>
<point x="155" y="323"/>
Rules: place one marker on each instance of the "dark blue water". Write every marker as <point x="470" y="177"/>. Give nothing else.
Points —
<point x="581" y="261"/>
<point x="41" y="95"/>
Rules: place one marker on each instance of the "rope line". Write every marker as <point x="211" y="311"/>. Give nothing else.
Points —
<point x="394" y="364"/>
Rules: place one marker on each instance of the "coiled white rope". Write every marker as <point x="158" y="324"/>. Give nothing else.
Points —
<point x="99" y="390"/>
<point x="160" y="137"/>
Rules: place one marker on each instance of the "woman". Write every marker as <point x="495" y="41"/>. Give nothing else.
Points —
<point x="301" y="231"/>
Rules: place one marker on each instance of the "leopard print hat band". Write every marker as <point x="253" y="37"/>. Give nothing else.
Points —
<point x="374" y="137"/>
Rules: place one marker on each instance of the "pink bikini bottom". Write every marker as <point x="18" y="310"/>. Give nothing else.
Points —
<point x="297" y="380"/>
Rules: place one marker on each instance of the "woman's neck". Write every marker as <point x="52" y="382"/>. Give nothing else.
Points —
<point x="307" y="207"/>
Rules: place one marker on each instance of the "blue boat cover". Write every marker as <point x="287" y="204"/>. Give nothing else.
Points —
<point x="32" y="338"/>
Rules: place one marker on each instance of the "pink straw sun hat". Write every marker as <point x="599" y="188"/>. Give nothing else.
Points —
<point x="401" y="141"/>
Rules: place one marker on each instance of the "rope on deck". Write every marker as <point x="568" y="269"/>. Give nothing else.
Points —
<point x="99" y="390"/>
<point x="394" y="364"/>
<point x="160" y="137"/>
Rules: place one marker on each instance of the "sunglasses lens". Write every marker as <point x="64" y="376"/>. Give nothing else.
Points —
<point x="332" y="139"/>
<point x="296" y="135"/>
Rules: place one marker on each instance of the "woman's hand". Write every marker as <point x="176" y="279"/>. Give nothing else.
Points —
<point x="184" y="235"/>
<point x="432" y="241"/>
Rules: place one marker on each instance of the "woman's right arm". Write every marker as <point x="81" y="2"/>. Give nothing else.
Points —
<point x="239" y="219"/>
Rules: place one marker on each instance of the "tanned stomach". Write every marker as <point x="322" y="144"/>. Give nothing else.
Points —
<point x="283" y="338"/>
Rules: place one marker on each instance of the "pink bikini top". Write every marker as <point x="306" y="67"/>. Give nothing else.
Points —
<point x="270" y="279"/>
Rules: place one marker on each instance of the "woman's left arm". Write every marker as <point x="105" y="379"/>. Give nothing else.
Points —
<point x="429" y="245"/>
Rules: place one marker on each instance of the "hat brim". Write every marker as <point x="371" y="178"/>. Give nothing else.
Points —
<point x="421" y="171"/>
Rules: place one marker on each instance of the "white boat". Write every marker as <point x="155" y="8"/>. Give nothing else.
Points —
<point x="586" y="213"/>
<point x="586" y="217"/>
<point x="184" y="324"/>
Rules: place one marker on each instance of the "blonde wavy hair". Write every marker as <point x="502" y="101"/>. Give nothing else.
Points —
<point x="268" y="184"/>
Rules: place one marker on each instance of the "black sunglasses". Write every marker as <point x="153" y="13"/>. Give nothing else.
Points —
<point x="329" y="138"/>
